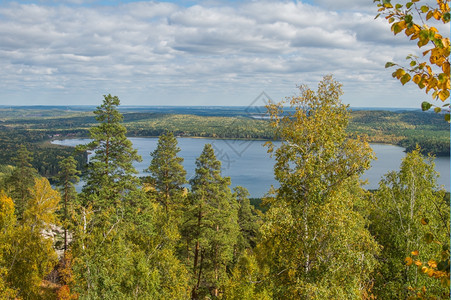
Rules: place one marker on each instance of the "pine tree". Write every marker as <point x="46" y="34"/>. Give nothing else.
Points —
<point x="110" y="173"/>
<point x="67" y="177"/>
<point x="21" y="180"/>
<point x="247" y="220"/>
<point x="210" y="229"/>
<point x="120" y="251"/>
<point x="167" y="170"/>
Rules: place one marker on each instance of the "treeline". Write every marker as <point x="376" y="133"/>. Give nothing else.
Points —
<point x="321" y="236"/>
<point x="406" y="129"/>
<point x="45" y="157"/>
<point x="196" y="126"/>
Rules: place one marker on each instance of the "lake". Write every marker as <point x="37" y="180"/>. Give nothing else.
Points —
<point x="249" y="165"/>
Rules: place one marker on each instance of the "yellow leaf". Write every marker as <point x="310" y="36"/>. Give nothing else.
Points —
<point x="415" y="253"/>
<point x="432" y="263"/>
<point x="437" y="15"/>
<point x="443" y="95"/>
<point x="405" y="78"/>
<point x="445" y="68"/>
<point x="399" y="73"/>
<point x="408" y="261"/>
<point x="418" y="263"/>
<point x="416" y="78"/>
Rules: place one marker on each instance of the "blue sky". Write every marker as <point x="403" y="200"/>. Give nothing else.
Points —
<point x="196" y="52"/>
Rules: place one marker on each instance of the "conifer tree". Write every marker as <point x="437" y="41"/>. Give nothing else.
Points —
<point x="67" y="177"/>
<point x="210" y="229"/>
<point x="120" y="250"/>
<point x="167" y="170"/>
<point x="21" y="180"/>
<point x="247" y="220"/>
<point x="110" y="173"/>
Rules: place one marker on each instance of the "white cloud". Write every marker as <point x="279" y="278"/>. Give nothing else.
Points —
<point x="189" y="55"/>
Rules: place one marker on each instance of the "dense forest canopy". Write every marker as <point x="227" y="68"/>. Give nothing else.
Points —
<point x="319" y="235"/>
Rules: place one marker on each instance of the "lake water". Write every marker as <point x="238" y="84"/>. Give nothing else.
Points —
<point x="249" y="165"/>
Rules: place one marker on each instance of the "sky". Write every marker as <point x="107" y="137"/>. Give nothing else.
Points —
<point x="71" y="52"/>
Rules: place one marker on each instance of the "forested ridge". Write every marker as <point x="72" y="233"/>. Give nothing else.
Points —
<point x="320" y="235"/>
<point x="36" y="126"/>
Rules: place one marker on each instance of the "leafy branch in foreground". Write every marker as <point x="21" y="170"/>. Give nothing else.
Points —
<point x="432" y="71"/>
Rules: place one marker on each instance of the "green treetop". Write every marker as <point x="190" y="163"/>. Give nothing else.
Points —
<point x="314" y="244"/>
<point x="247" y="220"/>
<point x="210" y="229"/>
<point x="167" y="170"/>
<point x="409" y="212"/>
<point x="67" y="177"/>
<point x="110" y="171"/>
<point x="21" y="180"/>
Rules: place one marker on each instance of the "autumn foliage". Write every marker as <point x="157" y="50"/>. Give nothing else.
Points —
<point x="432" y="71"/>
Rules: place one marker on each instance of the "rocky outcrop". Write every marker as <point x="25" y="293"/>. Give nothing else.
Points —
<point x="56" y="234"/>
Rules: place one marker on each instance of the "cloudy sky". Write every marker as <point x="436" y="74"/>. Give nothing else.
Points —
<point x="196" y="52"/>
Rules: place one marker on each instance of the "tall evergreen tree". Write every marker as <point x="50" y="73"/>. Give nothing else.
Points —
<point x="110" y="173"/>
<point x="67" y="177"/>
<point x="314" y="244"/>
<point x="247" y="220"/>
<point x="210" y="229"/>
<point x="167" y="170"/>
<point x="120" y="250"/>
<point x="21" y="180"/>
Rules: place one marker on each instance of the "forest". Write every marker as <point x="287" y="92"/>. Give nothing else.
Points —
<point x="319" y="235"/>
<point x="35" y="127"/>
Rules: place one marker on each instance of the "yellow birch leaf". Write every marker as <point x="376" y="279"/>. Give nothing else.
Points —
<point x="432" y="263"/>
<point x="443" y="95"/>
<point x="408" y="261"/>
<point x="437" y="15"/>
<point x="445" y="68"/>
<point x="405" y="78"/>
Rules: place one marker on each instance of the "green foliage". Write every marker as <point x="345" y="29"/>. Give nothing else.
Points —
<point x="246" y="280"/>
<point x="403" y="200"/>
<point x="247" y="220"/>
<point x="210" y="228"/>
<point x="129" y="256"/>
<point x="406" y="129"/>
<point x="309" y="240"/>
<point x="110" y="171"/>
<point x="124" y="247"/>
<point x="28" y="255"/>
<point x="20" y="181"/>
<point x="313" y="242"/>
<point x="67" y="177"/>
<point x="167" y="171"/>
